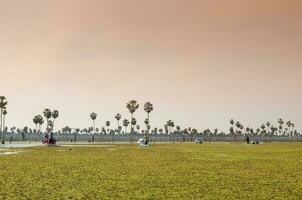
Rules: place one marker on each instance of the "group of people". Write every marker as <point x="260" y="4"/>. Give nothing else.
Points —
<point x="49" y="139"/>
<point x="143" y="141"/>
<point x="247" y="139"/>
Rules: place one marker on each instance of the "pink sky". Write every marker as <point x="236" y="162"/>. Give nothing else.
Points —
<point x="200" y="62"/>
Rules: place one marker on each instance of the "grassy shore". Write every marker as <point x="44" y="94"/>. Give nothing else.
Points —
<point x="161" y="171"/>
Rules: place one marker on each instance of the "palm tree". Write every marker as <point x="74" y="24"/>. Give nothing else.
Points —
<point x="3" y="104"/>
<point x="232" y="125"/>
<point x="166" y="129"/>
<point x="146" y="121"/>
<point x="281" y="122"/>
<point x="132" y="106"/>
<point x="138" y="128"/>
<point x="133" y="122"/>
<point x="50" y="126"/>
<point x="148" y="107"/>
<point x="4" y="128"/>
<point x="41" y="122"/>
<point x="47" y="114"/>
<point x="118" y="117"/>
<point x="288" y="123"/>
<point x="125" y="124"/>
<point x="108" y="125"/>
<point x="55" y="115"/>
<point x="36" y="122"/>
<point x="238" y="126"/>
<point x="93" y="116"/>
<point x="178" y="129"/>
<point x="268" y="125"/>
<point x="292" y="131"/>
<point x="169" y="125"/>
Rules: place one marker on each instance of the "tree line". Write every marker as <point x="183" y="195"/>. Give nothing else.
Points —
<point x="49" y="117"/>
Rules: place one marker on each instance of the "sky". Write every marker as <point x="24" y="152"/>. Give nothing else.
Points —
<point x="200" y="62"/>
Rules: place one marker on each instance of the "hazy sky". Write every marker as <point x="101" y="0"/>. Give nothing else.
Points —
<point x="200" y="62"/>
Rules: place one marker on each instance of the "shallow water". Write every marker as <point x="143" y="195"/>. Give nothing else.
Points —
<point x="21" y="145"/>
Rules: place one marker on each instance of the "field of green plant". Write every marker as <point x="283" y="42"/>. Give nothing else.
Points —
<point x="161" y="171"/>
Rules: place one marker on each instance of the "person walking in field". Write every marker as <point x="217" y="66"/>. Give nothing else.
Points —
<point x="247" y="140"/>
<point x="46" y="141"/>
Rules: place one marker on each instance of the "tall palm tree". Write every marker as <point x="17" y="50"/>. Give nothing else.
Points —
<point x="41" y="122"/>
<point x="288" y="123"/>
<point x="132" y="106"/>
<point x="93" y="116"/>
<point x="118" y="117"/>
<point x="148" y="107"/>
<point x="232" y="122"/>
<point x="293" y="127"/>
<point x="55" y="115"/>
<point x="125" y="124"/>
<point x="133" y="122"/>
<point x="281" y="122"/>
<point x="108" y="125"/>
<point x="47" y="114"/>
<point x="4" y="128"/>
<point x="169" y="124"/>
<point x="268" y="125"/>
<point x="50" y="126"/>
<point x="36" y="122"/>
<point x="3" y="104"/>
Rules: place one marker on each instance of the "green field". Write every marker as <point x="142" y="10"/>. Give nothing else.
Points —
<point x="161" y="171"/>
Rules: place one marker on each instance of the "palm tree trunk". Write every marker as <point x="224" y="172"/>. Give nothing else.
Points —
<point x="148" y="124"/>
<point x="131" y="128"/>
<point x="1" y="126"/>
<point x="93" y="126"/>
<point x="53" y="124"/>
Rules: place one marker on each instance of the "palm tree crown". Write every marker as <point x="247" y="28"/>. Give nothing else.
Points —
<point x="47" y="113"/>
<point x="93" y="116"/>
<point x="148" y="107"/>
<point x="132" y="106"/>
<point x="118" y="116"/>
<point x="55" y="114"/>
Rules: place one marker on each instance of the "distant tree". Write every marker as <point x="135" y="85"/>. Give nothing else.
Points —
<point x="166" y="129"/>
<point x="24" y="133"/>
<point x="247" y="130"/>
<point x="125" y="124"/>
<point x="55" y="115"/>
<point x="47" y="114"/>
<point x="118" y="117"/>
<point x="36" y="122"/>
<point x="178" y="128"/>
<point x="148" y="107"/>
<point x="155" y="130"/>
<point x="41" y="122"/>
<point x="132" y="106"/>
<point x="232" y="122"/>
<point x="138" y="128"/>
<point x="281" y="122"/>
<point x="4" y="127"/>
<point x="108" y="125"/>
<point x="268" y="126"/>
<point x="3" y="104"/>
<point x="238" y="126"/>
<point x="93" y="117"/>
